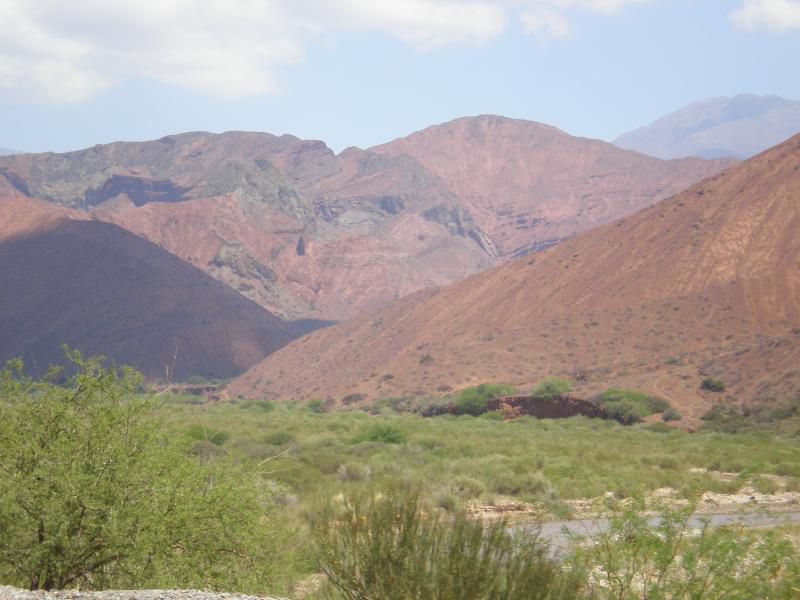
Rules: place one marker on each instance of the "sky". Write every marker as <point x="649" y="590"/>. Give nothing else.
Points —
<point x="363" y="72"/>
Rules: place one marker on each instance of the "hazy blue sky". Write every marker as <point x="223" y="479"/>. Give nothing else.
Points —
<point x="361" y="72"/>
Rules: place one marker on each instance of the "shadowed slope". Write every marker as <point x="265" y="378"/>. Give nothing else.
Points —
<point x="649" y="301"/>
<point x="103" y="290"/>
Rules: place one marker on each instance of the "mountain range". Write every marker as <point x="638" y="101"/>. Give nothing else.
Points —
<point x="704" y="283"/>
<point x="740" y="126"/>
<point x="307" y="233"/>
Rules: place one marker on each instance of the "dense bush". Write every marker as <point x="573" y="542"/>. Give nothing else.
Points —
<point x="388" y="545"/>
<point x="552" y="387"/>
<point x="630" y="406"/>
<point x="95" y="492"/>
<point x="475" y="400"/>
<point x="713" y="384"/>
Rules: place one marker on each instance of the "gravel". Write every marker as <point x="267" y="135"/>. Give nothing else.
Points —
<point x="9" y="593"/>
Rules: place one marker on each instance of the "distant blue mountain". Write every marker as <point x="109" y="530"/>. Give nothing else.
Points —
<point x="740" y="126"/>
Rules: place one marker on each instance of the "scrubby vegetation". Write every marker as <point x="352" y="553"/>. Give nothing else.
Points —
<point x="636" y="559"/>
<point x="103" y="486"/>
<point x="390" y="545"/>
<point x="712" y="384"/>
<point x="552" y="387"/>
<point x="95" y="491"/>
<point x="781" y="417"/>
<point x="475" y="400"/>
<point x="631" y="406"/>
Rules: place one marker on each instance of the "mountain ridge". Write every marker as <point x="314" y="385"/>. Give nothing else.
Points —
<point x="739" y="126"/>
<point x="687" y="286"/>
<point x="308" y="233"/>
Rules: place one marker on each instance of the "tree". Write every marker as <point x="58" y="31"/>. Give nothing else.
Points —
<point x="96" y="492"/>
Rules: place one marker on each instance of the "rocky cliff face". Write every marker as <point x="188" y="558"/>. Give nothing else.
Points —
<point x="308" y="233"/>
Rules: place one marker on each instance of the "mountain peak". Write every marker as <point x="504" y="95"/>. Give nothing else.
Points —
<point x="739" y="126"/>
<point x="707" y="279"/>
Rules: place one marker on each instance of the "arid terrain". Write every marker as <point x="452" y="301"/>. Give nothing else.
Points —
<point x="704" y="283"/>
<point x="307" y="233"/>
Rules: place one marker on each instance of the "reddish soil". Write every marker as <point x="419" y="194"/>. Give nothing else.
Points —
<point x="707" y="281"/>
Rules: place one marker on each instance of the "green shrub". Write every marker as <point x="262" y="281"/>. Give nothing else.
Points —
<point x="353" y="472"/>
<point x="317" y="405"/>
<point x="279" y="438"/>
<point x="659" y="428"/>
<point x="388" y="546"/>
<point x="353" y="399"/>
<point x="635" y="559"/>
<point x="713" y="385"/>
<point x="475" y="400"/>
<point x="262" y="405"/>
<point x="671" y="414"/>
<point x="552" y="387"/>
<point x="382" y="433"/>
<point x="95" y="492"/>
<point x="525" y="484"/>
<point x="397" y="404"/>
<point x="433" y="407"/>
<point x="630" y="406"/>
<point x="210" y="435"/>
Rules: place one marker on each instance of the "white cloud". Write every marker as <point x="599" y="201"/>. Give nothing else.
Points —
<point x="548" y="19"/>
<point x="67" y="51"/>
<point x="778" y="15"/>
<point x="545" y="22"/>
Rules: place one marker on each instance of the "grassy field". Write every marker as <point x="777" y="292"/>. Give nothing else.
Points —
<point x="458" y="459"/>
<point x="309" y="458"/>
<point x="263" y="497"/>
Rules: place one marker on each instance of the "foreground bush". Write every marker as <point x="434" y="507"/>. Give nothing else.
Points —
<point x="95" y="492"/>
<point x="390" y="547"/>
<point x="677" y="560"/>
